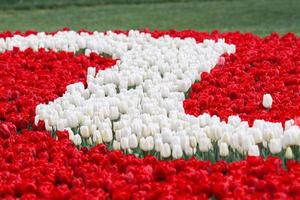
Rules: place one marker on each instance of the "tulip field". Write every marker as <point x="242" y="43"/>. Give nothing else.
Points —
<point x="145" y="113"/>
<point x="141" y="114"/>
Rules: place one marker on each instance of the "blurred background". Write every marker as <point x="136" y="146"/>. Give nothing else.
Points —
<point x="258" y="16"/>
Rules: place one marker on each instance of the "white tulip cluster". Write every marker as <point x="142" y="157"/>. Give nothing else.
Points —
<point x="137" y="105"/>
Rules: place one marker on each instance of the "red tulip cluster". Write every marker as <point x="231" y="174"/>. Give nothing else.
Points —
<point x="35" y="166"/>
<point x="259" y="66"/>
<point x="29" y="78"/>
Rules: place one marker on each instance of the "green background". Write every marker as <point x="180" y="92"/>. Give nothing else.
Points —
<point x="258" y="16"/>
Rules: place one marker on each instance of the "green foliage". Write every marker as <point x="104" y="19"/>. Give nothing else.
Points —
<point x="260" y="17"/>
<point x="32" y="4"/>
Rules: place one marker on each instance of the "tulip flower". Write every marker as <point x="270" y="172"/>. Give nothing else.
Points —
<point x="166" y="151"/>
<point x="267" y="101"/>
<point x="124" y="143"/>
<point x="133" y="142"/>
<point x="177" y="152"/>
<point x="224" y="151"/>
<point x="77" y="140"/>
<point x="253" y="150"/>
<point x="289" y="153"/>
<point x="84" y="131"/>
<point x="275" y="145"/>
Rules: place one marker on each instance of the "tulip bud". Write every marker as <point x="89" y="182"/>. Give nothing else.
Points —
<point x="77" y="140"/>
<point x="253" y="150"/>
<point x="84" y="131"/>
<point x="143" y="144"/>
<point x="267" y="101"/>
<point x="275" y="145"/>
<point x="289" y="153"/>
<point x="133" y="142"/>
<point x="189" y="151"/>
<point x="193" y="141"/>
<point x="158" y="145"/>
<point x="150" y="143"/>
<point x="97" y="138"/>
<point x="107" y="135"/>
<point x="224" y="151"/>
<point x="177" y="152"/>
<point x="124" y="143"/>
<point x="166" y="151"/>
<point x="116" y="145"/>
<point x="114" y="113"/>
<point x="234" y="120"/>
<point x="204" y="144"/>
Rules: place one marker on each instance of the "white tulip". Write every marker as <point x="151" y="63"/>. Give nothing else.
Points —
<point x="193" y="141"/>
<point x="189" y="151"/>
<point x="275" y="145"/>
<point x="143" y="144"/>
<point x="289" y="153"/>
<point x="253" y="151"/>
<point x="116" y="145"/>
<point x="158" y="145"/>
<point x="124" y="143"/>
<point x="133" y="142"/>
<point x="177" y="152"/>
<point x="150" y="143"/>
<point x="114" y="113"/>
<point x="267" y="101"/>
<point x="166" y="151"/>
<point x="107" y="135"/>
<point x="97" y="138"/>
<point x="84" y="131"/>
<point x="234" y="120"/>
<point x="77" y="140"/>
<point x="224" y="151"/>
<point x="205" y="144"/>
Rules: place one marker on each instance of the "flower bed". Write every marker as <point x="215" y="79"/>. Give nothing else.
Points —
<point x="186" y="95"/>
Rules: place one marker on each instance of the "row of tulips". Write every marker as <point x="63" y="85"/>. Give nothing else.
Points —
<point x="35" y="166"/>
<point x="151" y="99"/>
<point x="136" y="105"/>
